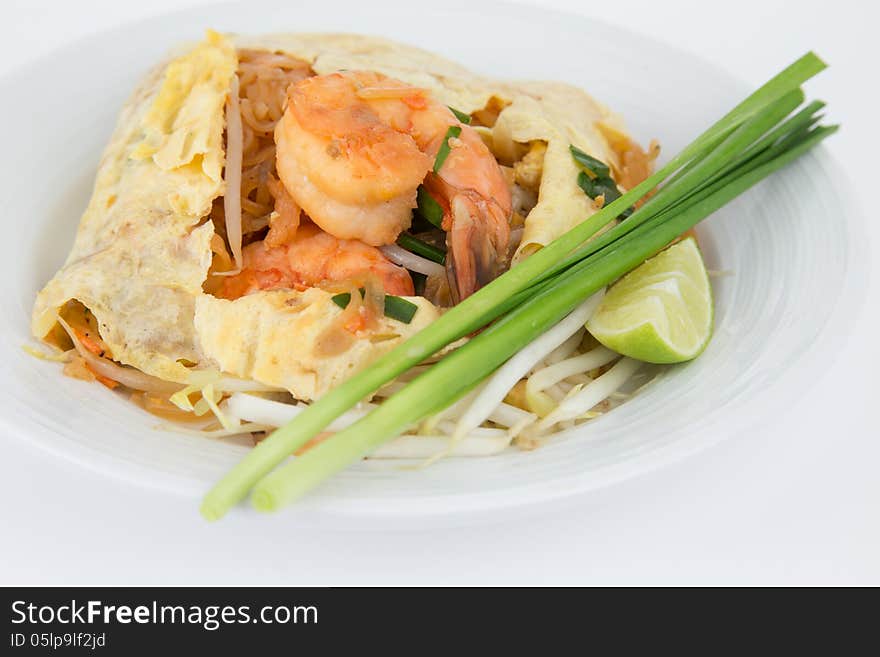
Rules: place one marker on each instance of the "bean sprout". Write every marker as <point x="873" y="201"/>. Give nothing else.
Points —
<point x="591" y="394"/>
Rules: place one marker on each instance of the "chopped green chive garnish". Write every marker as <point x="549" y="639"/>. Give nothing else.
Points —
<point x="598" y="168"/>
<point x="341" y="300"/>
<point x="595" y="187"/>
<point x="417" y="246"/>
<point x="596" y="179"/>
<point x="428" y="208"/>
<point x="395" y="307"/>
<point x="400" y="309"/>
<point x="461" y="116"/>
<point x="443" y="153"/>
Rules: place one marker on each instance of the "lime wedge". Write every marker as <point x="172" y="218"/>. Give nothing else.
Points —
<point x="661" y="312"/>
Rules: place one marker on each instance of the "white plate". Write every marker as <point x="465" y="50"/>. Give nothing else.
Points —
<point x="792" y="245"/>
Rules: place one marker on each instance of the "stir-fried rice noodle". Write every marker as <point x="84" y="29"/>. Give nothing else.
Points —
<point x="232" y="202"/>
<point x="262" y="81"/>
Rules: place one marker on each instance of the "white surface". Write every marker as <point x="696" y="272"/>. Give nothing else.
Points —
<point x="795" y="501"/>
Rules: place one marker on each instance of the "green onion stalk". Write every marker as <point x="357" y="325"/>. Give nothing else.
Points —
<point x="752" y="141"/>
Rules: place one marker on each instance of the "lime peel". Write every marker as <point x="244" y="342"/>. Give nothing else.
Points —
<point x="662" y="311"/>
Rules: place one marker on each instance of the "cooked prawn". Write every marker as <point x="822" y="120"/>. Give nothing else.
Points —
<point x="352" y="150"/>
<point x="310" y="259"/>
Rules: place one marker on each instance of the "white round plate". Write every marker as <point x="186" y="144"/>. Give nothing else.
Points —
<point x="791" y="247"/>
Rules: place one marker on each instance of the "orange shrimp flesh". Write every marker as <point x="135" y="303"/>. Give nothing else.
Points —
<point x="312" y="258"/>
<point x="352" y="150"/>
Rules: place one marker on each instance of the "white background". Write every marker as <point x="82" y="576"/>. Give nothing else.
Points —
<point x="796" y="502"/>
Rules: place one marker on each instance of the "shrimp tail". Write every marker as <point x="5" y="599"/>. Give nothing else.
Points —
<point x="476" y="240"/>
